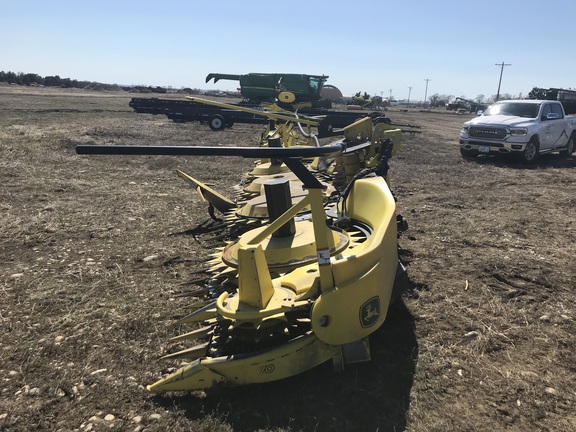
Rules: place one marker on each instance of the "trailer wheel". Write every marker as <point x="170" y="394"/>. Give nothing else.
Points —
<point x="216" y="122"/>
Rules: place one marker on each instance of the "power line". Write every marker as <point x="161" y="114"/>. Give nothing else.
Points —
<point x="426" y="92"/>
<point x="502" y="65"/>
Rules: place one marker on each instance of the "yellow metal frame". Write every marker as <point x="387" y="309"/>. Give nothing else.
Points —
<point x="365" y="272"/>
<point x="346" y="292"/>
<point x="350" y="294"/>
<point x="297" y="356"/>
<point x="206" y="193"/>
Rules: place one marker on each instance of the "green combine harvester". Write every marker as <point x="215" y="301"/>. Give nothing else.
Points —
<point x="297" y="90"/>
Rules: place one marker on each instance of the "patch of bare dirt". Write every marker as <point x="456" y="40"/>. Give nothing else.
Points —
<point x="93" y="250"/>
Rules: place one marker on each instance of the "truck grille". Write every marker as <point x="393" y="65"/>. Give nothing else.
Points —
<point x="488" y="132"/>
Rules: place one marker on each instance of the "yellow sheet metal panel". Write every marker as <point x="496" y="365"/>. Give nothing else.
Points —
<point x="302" y="279"/>
<point x="254" y="281"/>
<point x="206" y="193"/>
<point x="363" y="275"/>
<point x="191" y="377"/>
<point x="295" y="357"/>
<point x="354" y="310"/>
<point x="360" y="130"/>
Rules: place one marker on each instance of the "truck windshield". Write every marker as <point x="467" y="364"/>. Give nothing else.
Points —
<point x="514" y="109"/>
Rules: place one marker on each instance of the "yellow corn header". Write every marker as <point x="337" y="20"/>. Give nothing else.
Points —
<point x="310" y="265"/>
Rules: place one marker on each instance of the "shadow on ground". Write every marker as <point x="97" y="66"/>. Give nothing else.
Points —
<point x="366" y="396"/>
<point x="543" y="161"/>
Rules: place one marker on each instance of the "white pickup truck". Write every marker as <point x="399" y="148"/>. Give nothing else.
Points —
<point x="526" y="128"/>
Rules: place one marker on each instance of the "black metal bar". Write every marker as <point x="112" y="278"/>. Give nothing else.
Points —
<point x="246" y="152"/>
<point x="278" y="201"/>
<point x="308" y="179"/>
<point x="218" y="76"/>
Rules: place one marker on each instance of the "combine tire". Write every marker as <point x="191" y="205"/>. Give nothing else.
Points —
<point x="216" y="122"/>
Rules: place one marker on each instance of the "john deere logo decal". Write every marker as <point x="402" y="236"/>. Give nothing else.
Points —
<point x="370" y="312"/>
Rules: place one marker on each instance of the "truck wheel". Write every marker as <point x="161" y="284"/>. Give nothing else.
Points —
<point x="468" y="154"/>
<point x="216" y="122"/>
<point x="530" y="153"/>
<point x="569" y="147"/>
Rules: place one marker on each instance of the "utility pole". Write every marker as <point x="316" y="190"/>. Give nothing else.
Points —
<point x="426" y="92"/>
<point x="409" y="91"/>
<point x="502" y="65"/>
<point x="390" y="95"/>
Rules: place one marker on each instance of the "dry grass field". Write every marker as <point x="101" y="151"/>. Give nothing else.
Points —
<point x="93" y="250"/>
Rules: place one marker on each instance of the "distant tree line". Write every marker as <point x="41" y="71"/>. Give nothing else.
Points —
<point x="32" y="79"/>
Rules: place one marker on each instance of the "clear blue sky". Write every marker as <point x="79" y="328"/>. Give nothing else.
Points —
<point x="370" y="46"/>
